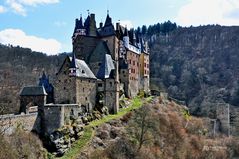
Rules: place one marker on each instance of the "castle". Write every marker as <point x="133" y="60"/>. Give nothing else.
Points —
<point x="106" y="63"/>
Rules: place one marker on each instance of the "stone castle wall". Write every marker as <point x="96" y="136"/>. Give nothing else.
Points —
<point x="86" y="92"/>
<point x="27" y="122"/>
<point x="65" y="87"/>
<point x="111" y="95"/>
<point x="58" y="115"/>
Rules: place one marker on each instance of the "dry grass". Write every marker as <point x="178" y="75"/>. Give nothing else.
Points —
<point x="173" y="140"/>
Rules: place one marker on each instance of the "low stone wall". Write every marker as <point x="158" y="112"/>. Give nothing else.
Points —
<point x="57" y="115"/>
<point x="9" y="123"/>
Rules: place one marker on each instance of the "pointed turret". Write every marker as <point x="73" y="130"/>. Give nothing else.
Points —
<point x="73" y="66"/>
<point x="134" y="39"/>
<point x="79" y="28"/>
<point x="126" y="31"/>
<point x="44" y="75"/>
<point x="80" y="23"/>
<point x="87" y="24"/>
<point x="108" y="20"/>
<point x="126" y="38"/>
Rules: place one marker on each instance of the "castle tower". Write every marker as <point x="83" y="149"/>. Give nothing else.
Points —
<point x="126" y="38"/>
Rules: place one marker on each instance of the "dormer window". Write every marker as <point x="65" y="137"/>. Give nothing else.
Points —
<point x="83" y="71"/>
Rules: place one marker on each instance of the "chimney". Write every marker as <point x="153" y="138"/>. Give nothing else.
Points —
<point x="117" y="26"/>
<point x="92" y="16"/>
<point x="101" y="24"/>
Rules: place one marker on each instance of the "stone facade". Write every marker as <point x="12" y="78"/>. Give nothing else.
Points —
<point x="86" y="93"/>
<point x="26" y="102"/>
<point x="65" y="87"/>
<point x="28" y="122"/>
<point x="58" y="115"/>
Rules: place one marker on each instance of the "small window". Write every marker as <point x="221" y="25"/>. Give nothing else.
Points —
<point x="111" y="84"/>
<point x="83" y="71"/>
<point x="86" y="98"/>
<point x="83" y="90"/>
<point x="99" y="63"/>
<point x="100" y="85"/>
<point x="64" y="88"/>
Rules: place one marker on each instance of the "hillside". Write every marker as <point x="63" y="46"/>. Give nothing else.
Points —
<point x="159" y="129"/>
<point x="20" y="67"/>
<point x="198" y="65"/>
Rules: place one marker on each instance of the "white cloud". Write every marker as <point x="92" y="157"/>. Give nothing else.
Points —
<point x="19" y="6"/>
<point x="18" y="37"/>
<point x="2" y="9"/>
<point x="202" y="12"/>
<point x="37" y="2"/>
<point x="126" y="23"/>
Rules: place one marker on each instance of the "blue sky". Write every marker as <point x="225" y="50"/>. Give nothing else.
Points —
<point x="47" y="25"/>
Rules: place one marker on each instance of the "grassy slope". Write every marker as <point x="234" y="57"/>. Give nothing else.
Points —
<point x="89" y="132"/>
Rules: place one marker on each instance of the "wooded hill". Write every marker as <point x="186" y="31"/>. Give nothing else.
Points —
<point x="20" y="67"/>
<point x="198" y="65"/>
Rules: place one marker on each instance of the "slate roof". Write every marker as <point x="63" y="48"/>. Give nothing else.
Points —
<point x="33" y="91"/>
<point x="73" y="62"/>
<point x="82" y="69"/>
<point x="108" y="20"/>
<point x="106" y="67"/>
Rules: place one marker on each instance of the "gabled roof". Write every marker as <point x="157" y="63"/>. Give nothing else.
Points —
<point x="33" y="91"/>
<point x="106" y="67"/>
<point x="83" y="70"/>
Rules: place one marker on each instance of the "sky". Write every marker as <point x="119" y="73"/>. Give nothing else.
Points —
<point x="47" y="25"/>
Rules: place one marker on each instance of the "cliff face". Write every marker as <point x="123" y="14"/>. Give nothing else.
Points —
<point x="198" y="65"/>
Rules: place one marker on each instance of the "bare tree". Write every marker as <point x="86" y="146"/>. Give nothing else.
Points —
<point x="140" y="126"/>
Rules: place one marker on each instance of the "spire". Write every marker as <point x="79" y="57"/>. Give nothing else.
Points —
<point x="43" y="75"/>
<point x="126" y="31"/>
<point x="134" y="38"/>
<point x="80" y="23"/>
<point x="73" y="61"/>
<point x="108" y="20"/>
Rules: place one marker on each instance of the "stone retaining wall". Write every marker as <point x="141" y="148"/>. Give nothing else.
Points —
<point x="28" y="122"/>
